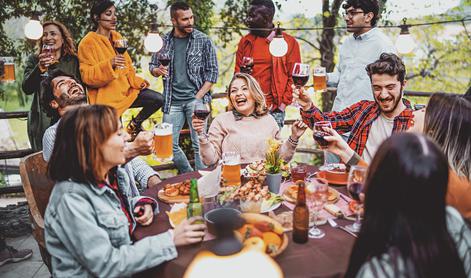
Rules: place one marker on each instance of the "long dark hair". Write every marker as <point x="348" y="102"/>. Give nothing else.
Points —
<point x="405" y="214"/>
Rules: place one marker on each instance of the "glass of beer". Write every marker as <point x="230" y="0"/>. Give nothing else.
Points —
<point x="7" y="73"/>
<point x="320" y="82"/>
<point x="163" y="142"/>
<point x="231" y="168"/>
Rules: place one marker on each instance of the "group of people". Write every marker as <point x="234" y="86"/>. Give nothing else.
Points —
<point x="418" y="190"/>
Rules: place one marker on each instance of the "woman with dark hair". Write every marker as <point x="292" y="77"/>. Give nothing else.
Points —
<point x="93" y="210"/>
<point x="62" y="55"/>
<point x="110" y="76"/>
<point x="408" y="231"/>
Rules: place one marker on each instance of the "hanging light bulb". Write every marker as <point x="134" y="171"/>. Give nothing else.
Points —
<point x="278" y="46"/>
<point x="153" y="42"/>
<point x="405" y="43"/>
<point x="34" y="29"/>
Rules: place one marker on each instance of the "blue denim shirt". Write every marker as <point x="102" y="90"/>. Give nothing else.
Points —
<point x="87" y="234"/>
<point x="201" y="60"/>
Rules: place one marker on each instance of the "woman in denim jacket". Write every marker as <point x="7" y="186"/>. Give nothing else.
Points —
<point x="93" y="211"/>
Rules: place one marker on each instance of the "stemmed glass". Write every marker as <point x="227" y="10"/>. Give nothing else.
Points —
<point x="316" y="194"/>
<point x="300" y="77"/>
<point x="121" y="45"/>
<point x="355" y="186"/>
<point x="201" y="110"/>
<point x="318" y="134"/>
<point x="164" y="60"/>
<point x="49" y="50"/>
<point x="247" y="65"/>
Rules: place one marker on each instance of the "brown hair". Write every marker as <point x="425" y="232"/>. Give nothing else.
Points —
<point x="256" y="91"/>
<point x="77" y="150"/>
<point x="68" y="47"/>
<point x="388" y="63"/>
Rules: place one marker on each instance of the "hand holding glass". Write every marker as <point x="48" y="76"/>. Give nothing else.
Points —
<point x="121" y="46"/>
<point x="164" y="60"/>
<point x="300" y="77"/>
<point x="247" y="65"/>
<point x="163" y="142"/>
<point x="318" y="134"/>
<point x="201" y="111"/>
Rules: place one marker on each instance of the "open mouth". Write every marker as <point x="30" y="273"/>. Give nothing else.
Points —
<point x="75" y="90"/>
<point x="241" y="101"/>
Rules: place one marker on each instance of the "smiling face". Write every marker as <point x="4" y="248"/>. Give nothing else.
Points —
<point x="183" y="22"/>
<point x="113" y="149"/>
<point x="66" y="92"/>
<point x="52" y="36"/>
<point x="241" y="97"/>
<point x="387" y="91"/>
<point x="108" y="19"/>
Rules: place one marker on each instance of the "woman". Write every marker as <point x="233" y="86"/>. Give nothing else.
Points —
<point x="92" y="210"/>
<point x="111" y="77"/>
<point x="63" y="56"/>
<point x="247" y="128"/>
<point x="407" y="229"/>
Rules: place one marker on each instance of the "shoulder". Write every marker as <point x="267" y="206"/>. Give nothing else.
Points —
<point x="89" y="38"/>
<point x="224" y="118"/>
<point x="197" y="34"/>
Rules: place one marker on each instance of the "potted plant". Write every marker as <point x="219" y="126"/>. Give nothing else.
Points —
<point x="273" y="165"/>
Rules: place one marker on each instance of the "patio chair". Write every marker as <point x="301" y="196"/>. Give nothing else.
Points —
<point x="37" y="187"/>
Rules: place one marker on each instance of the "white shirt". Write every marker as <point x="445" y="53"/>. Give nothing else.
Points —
<point x="380" y="130"/>
<point x="350" y="77"/>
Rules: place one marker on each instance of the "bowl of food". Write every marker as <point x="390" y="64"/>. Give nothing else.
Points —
<point x="335" y="173"/>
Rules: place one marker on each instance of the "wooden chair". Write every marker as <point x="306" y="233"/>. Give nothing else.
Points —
<point x="37" y="187"/>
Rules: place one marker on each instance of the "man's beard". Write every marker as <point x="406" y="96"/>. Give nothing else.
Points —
<point x="182" y="29"/>
<point x="64" y="102"/>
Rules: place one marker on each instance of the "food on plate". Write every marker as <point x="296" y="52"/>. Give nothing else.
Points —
<point x="252" y="190"/>
<point x="333" y="209"/>
<point x="272" y="242"/>
<point x="260" y="219"/>
<point x="179" y="188"/>
<point x="260" y="228"/>
<point x="255" y="243"/>
<point x="177" y="214"/>
<point x="291" y="194"/>
<point x="249" y="230"/>
<point x="353" y="205"/>
<point x="256" y="170"/>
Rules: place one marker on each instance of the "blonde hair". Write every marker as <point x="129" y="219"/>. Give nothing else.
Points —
<point x="254" y="89"/>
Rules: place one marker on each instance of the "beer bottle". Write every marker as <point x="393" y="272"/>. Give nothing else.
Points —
<point x="300" y="216"/>
<point x="194" y="207"/>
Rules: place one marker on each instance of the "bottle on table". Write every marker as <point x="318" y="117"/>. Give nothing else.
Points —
<point x="195" y="208"/>
<point x="300" y="216"/>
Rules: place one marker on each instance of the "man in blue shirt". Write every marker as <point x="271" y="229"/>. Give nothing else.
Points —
<point x="192" y="71"/>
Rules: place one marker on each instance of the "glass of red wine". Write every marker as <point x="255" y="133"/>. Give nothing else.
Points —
<point x="164" y="60"/>
<point x="121" y="46"/>
<point x="355" y="187"/>
<point x="247" y="65"/>
<point x="48" y="50"/>
<point x="318" y="133"/>
<point x="300" y="76"/>
<point x="201" y="110"/>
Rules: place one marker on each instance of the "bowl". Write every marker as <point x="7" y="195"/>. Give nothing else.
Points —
<point x="334" y="177"/>
<point x="211" y="217"/>
<point x="251" y="206"/>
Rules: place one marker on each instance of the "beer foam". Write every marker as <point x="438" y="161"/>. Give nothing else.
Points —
<point x="163" y="129"/>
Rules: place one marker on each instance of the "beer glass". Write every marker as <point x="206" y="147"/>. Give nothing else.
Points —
<point x="8" y="72"/>
<point x="231" y="168"/>
<point x="320" y="83"/>
<point x="163" y="142"/>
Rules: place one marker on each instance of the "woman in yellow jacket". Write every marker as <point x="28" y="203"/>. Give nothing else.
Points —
<point x="110" y="77"/>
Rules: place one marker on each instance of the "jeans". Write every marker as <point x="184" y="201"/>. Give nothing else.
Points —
<point x="150" y="101"/>
<point x="177" y="116"/>
<point x="279" y="117"/>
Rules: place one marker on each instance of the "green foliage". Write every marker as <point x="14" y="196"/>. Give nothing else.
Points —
<point x="203" y="11"/>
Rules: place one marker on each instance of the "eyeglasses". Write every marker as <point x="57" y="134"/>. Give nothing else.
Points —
<point x="351" y="14"/>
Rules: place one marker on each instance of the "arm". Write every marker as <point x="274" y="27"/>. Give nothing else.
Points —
<point x="204" y="89"/>
<point x="210" y="74"/>
<point x="333" y="78"/>
<point x="239" y="55"/>
<point x="95" y="73"/>
<point x="143" y="172"/>
<point x="32" y="76"/>
<point x="288" y="149"/>
<point x="211" y="147"/>
<point x="154" y="64"/>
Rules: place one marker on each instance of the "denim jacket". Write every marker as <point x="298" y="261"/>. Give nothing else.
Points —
<point x="87" y="234"/>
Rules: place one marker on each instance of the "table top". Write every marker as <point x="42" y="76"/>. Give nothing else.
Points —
<point x="325" y="257"/>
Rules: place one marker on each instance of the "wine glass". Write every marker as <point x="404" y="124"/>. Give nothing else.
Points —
<point x="318" y="134"/>
<point x="355" y="186"/>
<point x="201" y="110"/>
<point x="300" y="77"/>
<point x="164" y="60"/>
<point x="121" y="46"/>
<point x="247" y="65"/>
<point x="316" y="193"/>
<point x="49" y="50"/>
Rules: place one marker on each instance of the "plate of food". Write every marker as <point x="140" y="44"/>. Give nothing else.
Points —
<point x="256" y="170"/>
<point x="290" y="194"/>
<point x="175" y="192"/>
<point x="177" y="214"/>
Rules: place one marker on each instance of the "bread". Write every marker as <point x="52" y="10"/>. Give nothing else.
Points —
<point x="171" y="192"/>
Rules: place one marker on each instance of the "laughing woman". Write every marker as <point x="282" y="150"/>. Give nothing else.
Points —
<point x="110" y="76"/>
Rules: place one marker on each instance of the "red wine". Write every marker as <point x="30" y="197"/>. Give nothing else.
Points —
<point x="319" y="137"/>
<point x="164" y="62"/>
<point x="300" y="80"/>
<point x="354" y="190"/>
<point x="121" y="50"/>
<point x="201" y="114"/>
<point x="246" y="69"/>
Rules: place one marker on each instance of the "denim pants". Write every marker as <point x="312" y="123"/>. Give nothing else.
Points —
<point x="177" y="116"/>
<point x="279" y="117"/>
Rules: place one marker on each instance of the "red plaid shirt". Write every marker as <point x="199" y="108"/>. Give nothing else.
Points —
<point x="357" y="120"/>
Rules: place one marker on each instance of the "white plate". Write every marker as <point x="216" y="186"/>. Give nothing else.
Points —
<point x="275" y="206"/>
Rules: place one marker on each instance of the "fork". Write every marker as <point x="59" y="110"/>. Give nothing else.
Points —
<point x="337" y="226"/>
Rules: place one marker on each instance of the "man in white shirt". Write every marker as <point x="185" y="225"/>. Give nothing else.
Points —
<point x="359" y="50"/>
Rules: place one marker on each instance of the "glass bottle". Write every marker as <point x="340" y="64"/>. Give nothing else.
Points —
<point x="195" y="208"/>
<point x="301" y="216"/>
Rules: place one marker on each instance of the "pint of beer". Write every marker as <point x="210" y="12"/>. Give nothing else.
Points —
<point x="8" y="72"/>
<point x="319" y="79"/>
<point x="231" y="168"/>
<point x="163" y="142"/>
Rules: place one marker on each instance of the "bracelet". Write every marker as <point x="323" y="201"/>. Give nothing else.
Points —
<point x="292" y="141"/>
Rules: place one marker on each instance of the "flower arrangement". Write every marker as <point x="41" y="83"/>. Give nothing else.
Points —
<point x="273" y="162"/>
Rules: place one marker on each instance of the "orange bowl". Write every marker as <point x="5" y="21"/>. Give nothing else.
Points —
<point x="334" y="177"/>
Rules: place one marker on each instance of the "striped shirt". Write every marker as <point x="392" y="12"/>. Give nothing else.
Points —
<point x="201" y="61"/>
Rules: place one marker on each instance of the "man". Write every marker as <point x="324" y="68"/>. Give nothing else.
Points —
<point x="369" y="122"/>
<point x="273" y="73"/>
<point x="62" y="92"/>
<point x="192" y="71"/>
<point x="359" y="50"/>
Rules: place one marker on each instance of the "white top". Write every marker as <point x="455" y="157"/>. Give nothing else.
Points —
<point x="350" y="77"/>
<point x="380" y="130"/>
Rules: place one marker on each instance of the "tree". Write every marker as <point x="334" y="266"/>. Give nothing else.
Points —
<point x="203" y="11"/>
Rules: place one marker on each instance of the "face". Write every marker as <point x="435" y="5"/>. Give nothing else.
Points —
<point x="108" y="19"/>
<point x="184" y="21"/>
<point x="387" y="91"/>
<point x="52" y="36"/>
<point x="113" y="149"/>
<point x="356" y="19"/>
<point x="257" y="17"/>
<point x="241" y="98"/>
<point x="67" y="92"/>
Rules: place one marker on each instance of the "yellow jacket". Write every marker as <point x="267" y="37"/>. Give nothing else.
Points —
<point x="115" y="87"/>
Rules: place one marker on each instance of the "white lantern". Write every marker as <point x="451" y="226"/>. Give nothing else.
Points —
<point x="153" y="42"/>
<point x="33" y="29"/>
<point x="278" y="46"/>
<point x="405" y="43"/>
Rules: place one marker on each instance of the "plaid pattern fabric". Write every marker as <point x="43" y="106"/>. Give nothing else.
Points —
<point x="201" y="61"/>
<point x="357" y="120"/>
<point x="141" y="171"/>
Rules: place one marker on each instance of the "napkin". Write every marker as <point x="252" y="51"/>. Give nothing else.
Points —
<point x="209" y="183"/>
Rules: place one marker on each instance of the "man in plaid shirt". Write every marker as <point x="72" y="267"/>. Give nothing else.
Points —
<point x="370" y="122"/>
<point x="192" y="71"/>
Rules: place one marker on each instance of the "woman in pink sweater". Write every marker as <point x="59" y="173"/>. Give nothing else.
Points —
<point x="247" y="128"/>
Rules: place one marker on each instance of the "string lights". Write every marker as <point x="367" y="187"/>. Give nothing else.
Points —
<point x="34" y="29"/>
<point x="405" y="43"/>
<point x="278" y="46"/>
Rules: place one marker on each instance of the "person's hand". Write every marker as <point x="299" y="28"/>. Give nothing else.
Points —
<point x="153" y="181"/>
<point x="298" y="129"/>
<point x="187" y="233"/>
<point x="144" y="214"/>
<point x="161" y="70"/>
<point x="45" y="60"/>
<point x="302" y="98"/>
<point x="337" y="145"/>
<point x="118" y="61"/>
<point x="198" y="124"/>
<point x="143" y="144"/>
